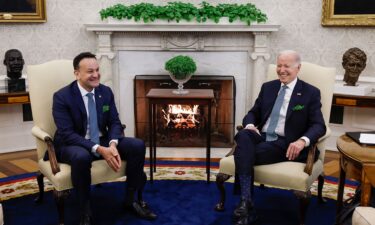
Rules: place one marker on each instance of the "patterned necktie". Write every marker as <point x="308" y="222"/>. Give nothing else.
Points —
<point x="93" y="121"/>
<point x="275" y="114"/>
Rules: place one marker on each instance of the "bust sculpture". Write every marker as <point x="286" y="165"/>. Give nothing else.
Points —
<point x="354" y="62"/>
<point x="14" y="63"/>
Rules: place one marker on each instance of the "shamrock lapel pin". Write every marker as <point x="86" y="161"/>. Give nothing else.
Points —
<point x="105" y="108"/>
<point x="298" y="107"/>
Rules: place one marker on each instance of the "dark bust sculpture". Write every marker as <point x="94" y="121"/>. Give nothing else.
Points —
<point x="14" y="62"/>
<point x="354" y="62"/>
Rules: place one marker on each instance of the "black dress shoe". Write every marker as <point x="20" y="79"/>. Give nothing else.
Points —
<point x="244" y="214"/>
<point x="141" y="210"/>
<point x="243" y="209"/>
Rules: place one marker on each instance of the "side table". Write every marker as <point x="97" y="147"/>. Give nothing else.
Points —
<point x="14" y="98"/>
<point x="166" y="96"/>
<point x="358" y="162"/>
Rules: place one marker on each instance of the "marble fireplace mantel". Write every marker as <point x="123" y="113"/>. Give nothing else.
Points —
<point x="119" y="43"/>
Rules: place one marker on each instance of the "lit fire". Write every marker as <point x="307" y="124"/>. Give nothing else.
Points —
<point x="181" y="116"/>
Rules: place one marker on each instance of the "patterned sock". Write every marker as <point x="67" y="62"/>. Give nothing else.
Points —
<point x="245" y="183"/>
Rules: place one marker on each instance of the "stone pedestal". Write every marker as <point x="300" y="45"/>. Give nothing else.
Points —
<point x="15" y="85"/>
<point x="360" y="90"/>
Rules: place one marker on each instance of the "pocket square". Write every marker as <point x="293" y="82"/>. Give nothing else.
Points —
<point x="298" y="107"/>
<point x="105" y="108"/>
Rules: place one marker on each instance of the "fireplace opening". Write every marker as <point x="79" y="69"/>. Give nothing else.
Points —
<point x="185" y="125"/>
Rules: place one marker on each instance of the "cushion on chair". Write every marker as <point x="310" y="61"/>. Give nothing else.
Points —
<point x="278" y="174"/>
<point x="100" y="172"/>
<point x="363" y="216"/>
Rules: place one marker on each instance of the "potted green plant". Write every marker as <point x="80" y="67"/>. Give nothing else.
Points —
<point x="181" y="11"/>
<point x="180" y="69"/>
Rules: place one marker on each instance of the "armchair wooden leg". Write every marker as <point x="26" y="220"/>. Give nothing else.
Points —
<point x="39" y="179"/>
<point x="304" y="199"/>
<point x="60" y="197"/>
<point x="320" y="189"/>
<point x="220" y="179"/>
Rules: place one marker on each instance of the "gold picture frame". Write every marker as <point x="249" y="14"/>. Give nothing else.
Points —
<point x="348" y="13"/>
<point x="21" y="11"/>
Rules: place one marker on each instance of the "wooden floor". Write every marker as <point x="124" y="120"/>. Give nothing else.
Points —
<point x="26" y="162"/>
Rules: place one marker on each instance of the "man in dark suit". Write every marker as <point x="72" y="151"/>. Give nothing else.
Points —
<point x="88" y="128"/>
<point x="285" y="119"/>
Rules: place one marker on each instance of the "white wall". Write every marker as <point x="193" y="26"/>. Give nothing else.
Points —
<point x="64" y="36"/>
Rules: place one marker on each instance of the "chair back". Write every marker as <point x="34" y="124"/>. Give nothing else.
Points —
<point x="321" y="77"/>
<point x="44" y="80"/>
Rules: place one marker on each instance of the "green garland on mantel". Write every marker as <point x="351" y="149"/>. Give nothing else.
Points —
<point x="177" y="11"/>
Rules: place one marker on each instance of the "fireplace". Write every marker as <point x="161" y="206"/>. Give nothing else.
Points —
<point x="185" y="125"/>
<point x="125" y="50"/>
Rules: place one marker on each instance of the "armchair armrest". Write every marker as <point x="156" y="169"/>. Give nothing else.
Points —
<point x="311" y="155"/>
<point x="42" y="135"/>
<point x="310" y="160"/>
<point x="39" y="133"/>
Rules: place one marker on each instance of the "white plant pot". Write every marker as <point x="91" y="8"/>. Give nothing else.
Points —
<point x="180" y="82"/>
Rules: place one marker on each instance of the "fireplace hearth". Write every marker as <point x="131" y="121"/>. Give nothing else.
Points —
<point x="185" y="125"/>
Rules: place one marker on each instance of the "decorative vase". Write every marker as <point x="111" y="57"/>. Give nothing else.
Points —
<point x="180" y="82"/>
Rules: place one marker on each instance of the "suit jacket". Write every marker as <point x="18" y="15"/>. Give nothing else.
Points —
<point x="70" y="116"/>
<point x="307" y="121"/>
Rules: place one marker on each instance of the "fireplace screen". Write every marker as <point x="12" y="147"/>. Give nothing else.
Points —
<point x="185" y="125"/>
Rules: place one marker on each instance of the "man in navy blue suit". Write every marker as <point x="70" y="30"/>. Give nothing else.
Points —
<point x="285" y="119"/>
<point x="79" y="140"/>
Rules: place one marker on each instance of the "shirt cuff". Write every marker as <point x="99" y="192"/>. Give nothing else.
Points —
<point x="307" y="141"/>
<point x="114" y="140"/>
<point x="94" y="148"/>
<point x="249" y="125"/>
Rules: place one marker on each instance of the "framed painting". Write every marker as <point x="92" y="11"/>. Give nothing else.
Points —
<point x="12" y="11"/>
<point x="348" y="13"/>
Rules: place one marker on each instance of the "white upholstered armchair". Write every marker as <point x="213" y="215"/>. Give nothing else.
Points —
<point x="44" y="80"/>
<point x="289" y="175"/>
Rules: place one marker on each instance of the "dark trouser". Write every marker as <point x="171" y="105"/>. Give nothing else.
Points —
<point x="252" y="149"/>
<point x="130" y="149"/>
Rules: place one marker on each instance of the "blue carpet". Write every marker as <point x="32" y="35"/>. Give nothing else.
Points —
<point x="176" y="203"/>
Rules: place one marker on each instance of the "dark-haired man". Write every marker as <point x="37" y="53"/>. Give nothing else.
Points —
<point x="88" y="128"/>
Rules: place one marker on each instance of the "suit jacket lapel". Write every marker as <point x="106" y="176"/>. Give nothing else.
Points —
<point x="99" y="105"/>
<point x="272" y="93"/>
<point x="78" y="100"/>
<point x="295" y="98"/>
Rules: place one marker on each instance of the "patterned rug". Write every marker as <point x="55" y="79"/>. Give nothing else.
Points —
<point x="26" y="184"/>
